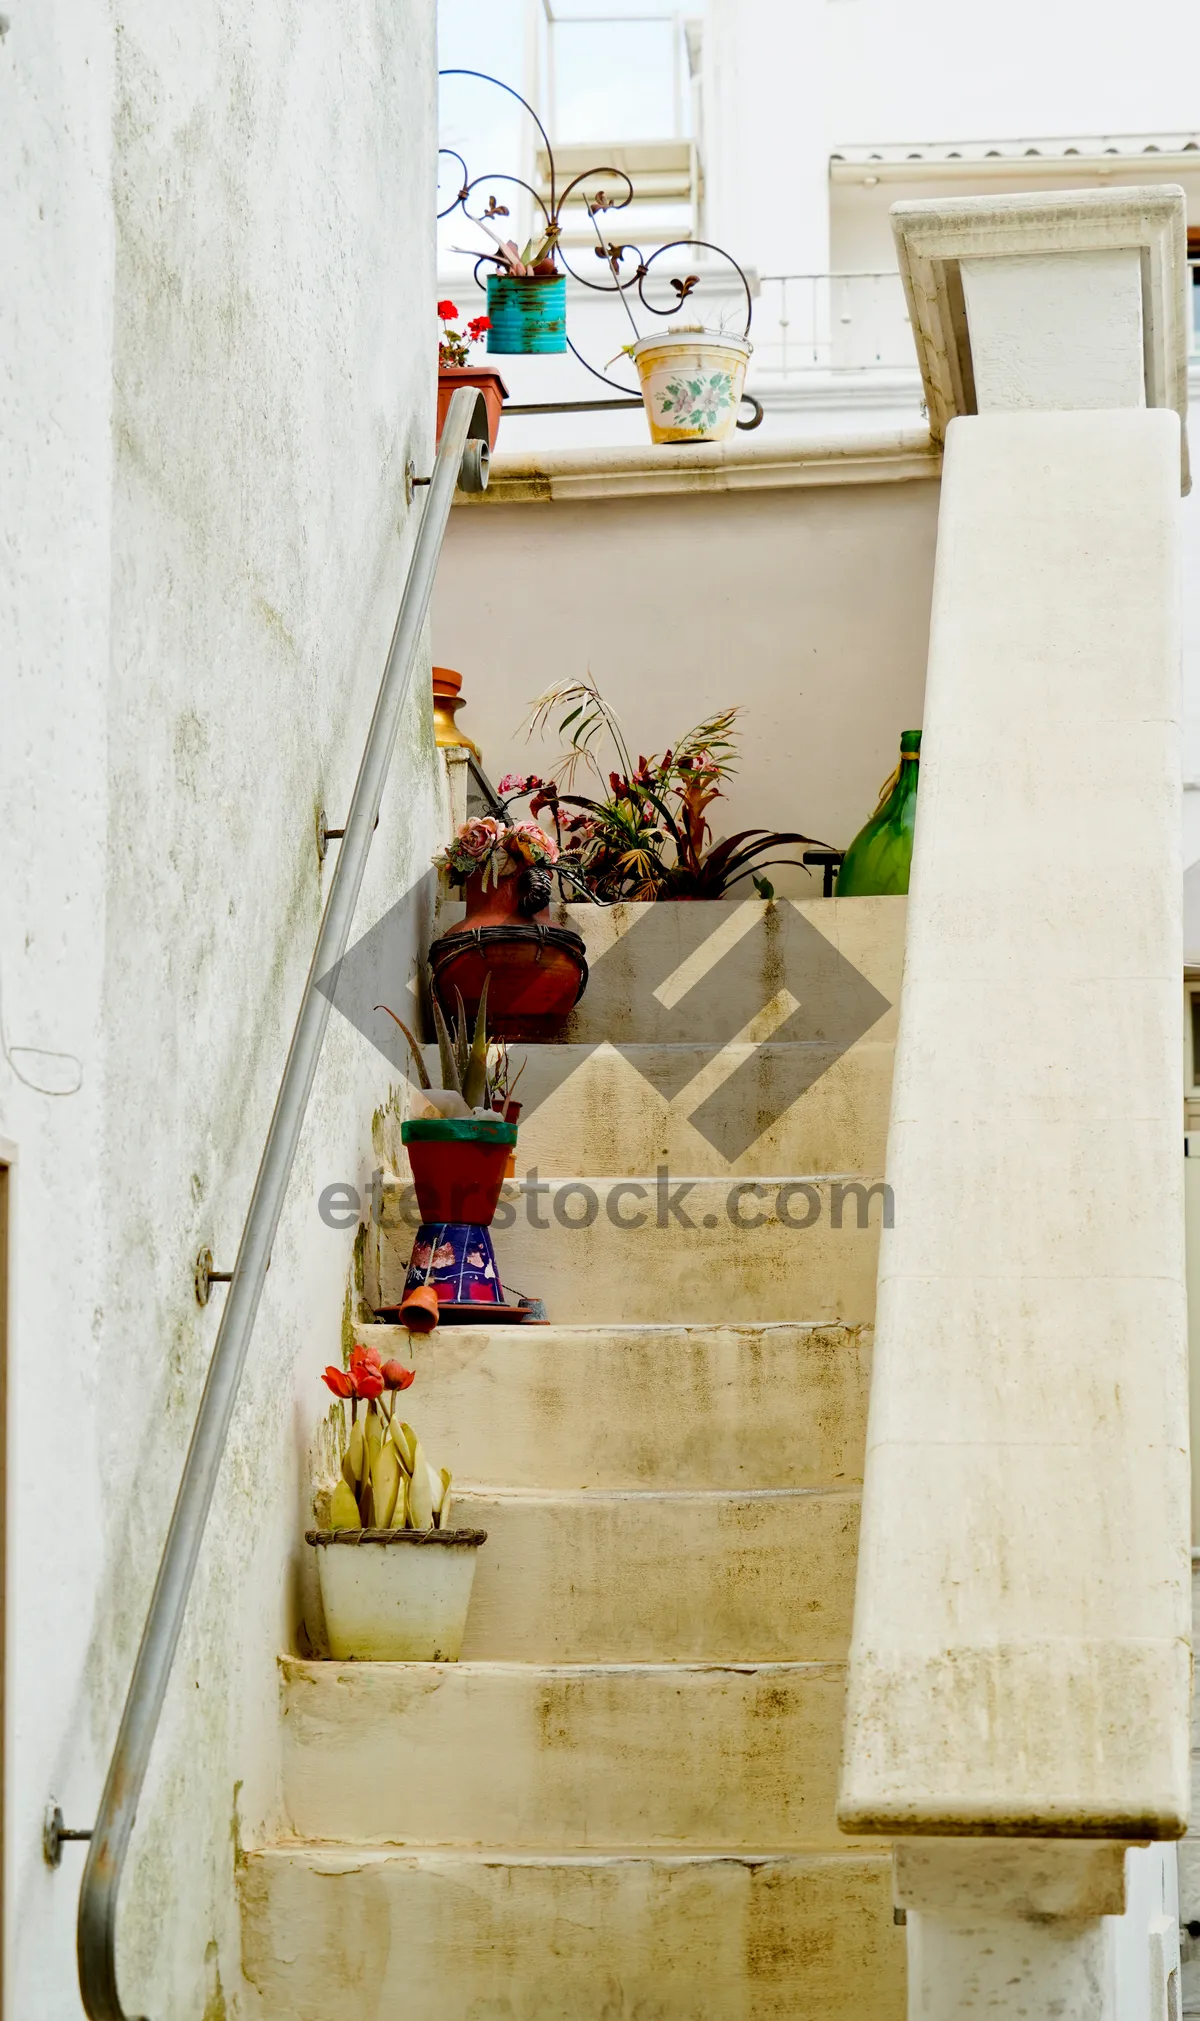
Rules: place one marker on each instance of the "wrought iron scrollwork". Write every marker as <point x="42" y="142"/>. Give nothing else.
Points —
<point x="617" y="257"/>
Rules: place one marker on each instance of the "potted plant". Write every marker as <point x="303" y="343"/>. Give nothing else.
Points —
<point x="691" y="378"/>
<point x="692" y="381"/>
<point x="458" y="1150"/>
<point x="537" y="971"/>
<point x="395" y="1575"/>
<point x="455" y="368"/>
<point x="648" y="836"/>
<point x="526" y="295"/>
<point x="461" y="1152"/>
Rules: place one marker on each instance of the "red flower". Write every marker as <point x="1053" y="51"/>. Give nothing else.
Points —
<point x="477" y="325"/>
<point x="396" y="1376"/>
<point x="339" y="1382"/>
<point x="447" y="312"/>
<point x="365" y="1364"/>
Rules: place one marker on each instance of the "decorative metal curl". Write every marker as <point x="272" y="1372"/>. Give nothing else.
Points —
<point x="455" y="156"/>
<point x="684" y="288"/>
<point x="611" y="253"/>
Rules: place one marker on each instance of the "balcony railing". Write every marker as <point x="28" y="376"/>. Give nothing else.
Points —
<point x="852" y="323"/>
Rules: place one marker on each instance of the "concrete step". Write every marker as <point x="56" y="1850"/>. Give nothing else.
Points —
<point x="671" y="1248"/>
<point x="681" y="1577"/>
<point x="339" y="1933"/>
<point x="777" y="1406"/>
<point x="562" y="1757"/>
<point x="742" y="1107"/>
<point x="814" y="969"/>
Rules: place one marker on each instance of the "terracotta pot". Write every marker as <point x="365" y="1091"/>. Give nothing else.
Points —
<point x="490" y="384"/>
<point x="419" y="1311"/>
<point x="447" y="701"/>
<point x="458" y="1165"/>
<point x="494" y="904"/>
<point x="538" y="971"/>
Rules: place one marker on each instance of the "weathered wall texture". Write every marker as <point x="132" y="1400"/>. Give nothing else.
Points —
<point x="810" y="606"/>
<point x="216" y="363"/>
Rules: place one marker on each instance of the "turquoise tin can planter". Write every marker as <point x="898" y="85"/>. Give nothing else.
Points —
<point x="526" y="315"/>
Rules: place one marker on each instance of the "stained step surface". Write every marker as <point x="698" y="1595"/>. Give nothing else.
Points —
<point x="670" y="1248"/>
<point x="775" y="1406"/>
<point x="537" y="1756"/>
<point x="336" y="1933"/>
<point x="630" y="1577"/>
<point x="743" y="1107"/>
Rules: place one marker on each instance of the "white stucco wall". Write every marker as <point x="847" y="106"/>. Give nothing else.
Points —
<point x="807" y="607"/>
<point x="215" y="364"/>
<point x="787" y="82"/>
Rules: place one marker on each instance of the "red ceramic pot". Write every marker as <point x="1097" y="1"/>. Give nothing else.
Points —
<point x="538" y="971"/>
<point x="458" y="1165"/>
<point x="490" y="384"/>
<point x="496" y="903"/>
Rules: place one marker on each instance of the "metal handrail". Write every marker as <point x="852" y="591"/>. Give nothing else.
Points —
<point x="461" y="458"/>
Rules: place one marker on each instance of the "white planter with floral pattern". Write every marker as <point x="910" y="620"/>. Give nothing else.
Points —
<point x="692" y="382"/>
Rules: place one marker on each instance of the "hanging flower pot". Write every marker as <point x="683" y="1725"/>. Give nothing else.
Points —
<point x="527" y="313"/>
<point x="692" y="381"/>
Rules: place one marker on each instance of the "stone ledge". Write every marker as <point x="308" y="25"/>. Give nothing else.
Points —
<point x="558" y="476"/>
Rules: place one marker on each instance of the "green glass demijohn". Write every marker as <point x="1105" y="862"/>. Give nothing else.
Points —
<point x="880" y="856"/>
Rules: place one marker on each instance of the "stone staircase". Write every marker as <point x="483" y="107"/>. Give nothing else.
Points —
<point x="620" y="1805"/>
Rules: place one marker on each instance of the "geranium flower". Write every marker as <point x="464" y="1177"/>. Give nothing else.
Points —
<point x="447" y="312"/>
<point x="477" y="326"/>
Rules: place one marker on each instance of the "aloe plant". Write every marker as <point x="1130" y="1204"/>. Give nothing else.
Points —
<point x="387" y="1481"/>
<point x="469" y="1080"/>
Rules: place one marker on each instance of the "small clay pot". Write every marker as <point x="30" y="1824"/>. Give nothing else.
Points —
<point x="419" y="1312"/>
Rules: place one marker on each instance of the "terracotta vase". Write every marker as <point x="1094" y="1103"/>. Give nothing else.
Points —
<point x="490" y="384"/>
<point x="538" y="971"/>
<point x="447" y="701"/>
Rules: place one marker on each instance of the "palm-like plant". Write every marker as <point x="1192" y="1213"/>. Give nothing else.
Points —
<point x="649" y="837"/>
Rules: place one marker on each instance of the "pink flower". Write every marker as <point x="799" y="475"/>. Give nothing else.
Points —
<point x="478" y="838"/>
<point x="518" y="783"/>
<point x="529" y="843"/>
